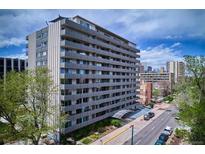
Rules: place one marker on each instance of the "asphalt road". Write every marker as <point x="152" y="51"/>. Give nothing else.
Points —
<point x="151" y="132"/>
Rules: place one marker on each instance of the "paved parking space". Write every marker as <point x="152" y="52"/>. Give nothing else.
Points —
<point x="137" y="114"/>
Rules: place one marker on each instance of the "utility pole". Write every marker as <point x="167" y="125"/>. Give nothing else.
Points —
<point x="132" y="127"/>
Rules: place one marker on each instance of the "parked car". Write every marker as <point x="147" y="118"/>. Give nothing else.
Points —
<point x="163" y="137"/>
<point x="146" y="117"/>
<point x="169" y="130"/>
<point x="151" y="114"/>
<point x="160" y="142"/>
<point x="166" y="133"/>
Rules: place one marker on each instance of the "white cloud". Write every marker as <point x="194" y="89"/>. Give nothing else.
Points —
<point x="172" y="37"/>
<point x="132" y="24"/>
<point x="20" y="55"/>
<point x="176" y="44"/>
<point x="170" y="24"/>
<point x="157" y="56"/>
<point x="11" y="41"/>
<point x="135" y="25"/>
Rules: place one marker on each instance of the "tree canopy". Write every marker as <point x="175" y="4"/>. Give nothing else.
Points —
<point x="191" y="98"/>
<point x="26" y="105"/>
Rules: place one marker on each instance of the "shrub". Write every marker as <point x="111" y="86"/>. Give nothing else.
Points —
<point x="79" y="134"/>
<point x="169" y="98"/>
<point x="86" y="141"/>
<point x="181" y="133"/>
<point x="115" y="123"/>
<point x="98" y="126"/>
<point x="151" y="105"/>
<point x="101" y="130"/>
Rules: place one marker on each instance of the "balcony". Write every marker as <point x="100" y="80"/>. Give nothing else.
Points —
<point x="77" y="46"/>
<point x="84" y="38"/>
<point x="92" y="85"/>
<point x="97" y="68"/>
<point x="97" y="34"/>
<point x="77" y="96"/>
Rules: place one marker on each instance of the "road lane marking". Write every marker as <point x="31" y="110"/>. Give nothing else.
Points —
<point x="138" y="141"/>
<point x="161" y="126"/>
<point x="116" y="136"/>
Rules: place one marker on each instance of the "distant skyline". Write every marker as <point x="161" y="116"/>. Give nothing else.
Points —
<point x="161" y="35"/>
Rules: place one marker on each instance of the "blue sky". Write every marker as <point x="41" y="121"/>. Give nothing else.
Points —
<point x="161" y="35"/>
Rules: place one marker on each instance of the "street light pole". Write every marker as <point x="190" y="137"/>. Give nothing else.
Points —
<point x="132" y="127"/>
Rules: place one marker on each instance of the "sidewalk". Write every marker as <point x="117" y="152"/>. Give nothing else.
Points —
<point x="122" y="134"/>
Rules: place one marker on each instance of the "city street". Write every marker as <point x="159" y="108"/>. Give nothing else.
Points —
<point x="151" y="132"/>
<point x="146" y="128"/>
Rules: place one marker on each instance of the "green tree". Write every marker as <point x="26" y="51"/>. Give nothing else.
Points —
<point x="155" y="92"/>
<point x="27" y="106"/>
<point x="40" y="108"/>
<point x="12" y="96"/>
<point x="191" y="98"/>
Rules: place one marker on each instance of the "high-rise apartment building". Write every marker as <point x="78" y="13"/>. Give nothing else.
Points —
<point x="95" y="68"/>
<point x="178" y="68"/>
<point x="11" y="64"/>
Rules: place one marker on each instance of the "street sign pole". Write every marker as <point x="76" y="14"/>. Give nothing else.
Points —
<point x="132" y="127"/>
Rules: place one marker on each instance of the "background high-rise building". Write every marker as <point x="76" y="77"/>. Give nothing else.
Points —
<point x="178" y="68"/>
<point x="141" y="68"/>
<point x="95" y="68"/>
<point x="162" y="70"/>
<point x="11" y="64"/>
<point x="149" y="69"/>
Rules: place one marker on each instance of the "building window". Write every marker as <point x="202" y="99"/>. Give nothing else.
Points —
<point x="68" y="124"/>
<point x="85" y="118"/>
<point x="81" y="72"/>
<point x="62" y="70"/>
<point x="66" y="81"/>
<point x="79" y="120"/>
<point x="66" y="103"/>
<point x="79" y="91"/>
<point x="84" y="24"/>
<point x="78" y="111"/>
<point x="86" y="109"/>
<point x="82" y="81"/>
<point x="39" y="63"/>
<point x="44" y="53"/>
<point x="85" y="90"/>
<point x="66" y="92"/>
<point x="85" y="100"/>
<point x="79" y="101"/>
<point x="44" y="43"/>
<point x="67" y="71"/>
